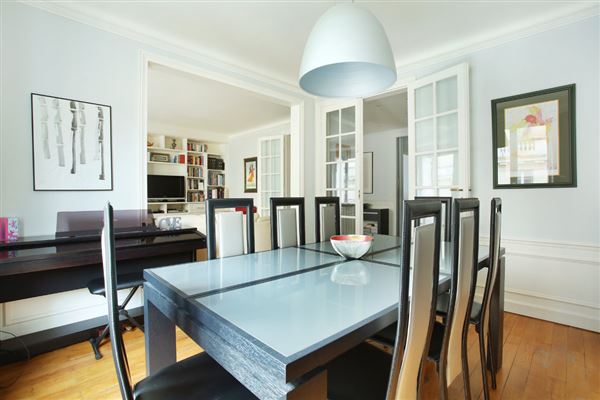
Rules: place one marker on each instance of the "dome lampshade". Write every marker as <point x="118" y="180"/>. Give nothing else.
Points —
<point x="347" y="54"/>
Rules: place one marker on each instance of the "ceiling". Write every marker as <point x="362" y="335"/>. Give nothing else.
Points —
<point x="268" y="37"/>
<point x="181" y="100"/>
<point x="383" y="114"/>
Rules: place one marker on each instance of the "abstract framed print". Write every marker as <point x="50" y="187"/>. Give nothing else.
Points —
<point x="72" y="144"/>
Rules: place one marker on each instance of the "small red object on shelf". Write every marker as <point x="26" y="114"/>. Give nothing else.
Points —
<point x="243" y="209"/>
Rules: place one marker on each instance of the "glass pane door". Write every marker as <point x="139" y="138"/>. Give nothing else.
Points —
<point x="270" y="171"/>
<point x="438" y="134"/>
<point x="343" y="158"/>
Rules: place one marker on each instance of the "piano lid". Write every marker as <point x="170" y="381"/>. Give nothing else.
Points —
<point x="82" y="223"/>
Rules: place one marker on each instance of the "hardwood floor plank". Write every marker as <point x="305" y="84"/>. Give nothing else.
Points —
<point x="542" y="360"/>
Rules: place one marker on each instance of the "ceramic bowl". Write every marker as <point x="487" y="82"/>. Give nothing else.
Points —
<point x="351" y="246"/>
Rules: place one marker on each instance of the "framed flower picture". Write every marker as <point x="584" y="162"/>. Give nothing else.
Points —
<point x="250" y="178"/>
<point x="534" y="139"/>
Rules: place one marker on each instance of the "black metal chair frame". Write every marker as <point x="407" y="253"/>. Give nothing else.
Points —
<point x="447" y="202"/>
<point x="211" y="206"/>
<point x="487" y="362"/>
<point x="287" y="202"/>
<point x="460" y="206"/>
<point x="110" y="280"/>
<point x="319" y="201"/>
<point x="414" y="210"/>
<point x="96" y="342"/>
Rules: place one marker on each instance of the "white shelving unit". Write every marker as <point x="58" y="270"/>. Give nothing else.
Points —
<point x="187" y="158"/>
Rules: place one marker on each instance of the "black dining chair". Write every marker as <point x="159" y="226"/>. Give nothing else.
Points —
<point x="448" y="348"/>
<point x="327" y="217"/>
<point x="446" y="214"/>
<point x="287" y="223"/>
<point x="366" y="372"/>
<point x="480" y="311"/>
<point x="230" y="224"/>
<point x="387" y="335"/>
<point x="197" y="377"/>
<point x="131" y="281"/>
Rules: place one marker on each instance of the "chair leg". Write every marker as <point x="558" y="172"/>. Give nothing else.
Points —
<point x="491" y="364"/>
<point x="465" y="370"/>
<point x="442" y="380"/>
<point x="482" y="357"/>
<point x="131" y="320"/>
<point x="96" y="342"/>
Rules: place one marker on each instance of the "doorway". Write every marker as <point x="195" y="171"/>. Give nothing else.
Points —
<point x="385" y="161"/>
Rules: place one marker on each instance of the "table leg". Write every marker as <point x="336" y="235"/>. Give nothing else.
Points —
<point x="497" y="315"/>
<point x="314" y="388"/>
<point x="160" y="337"/>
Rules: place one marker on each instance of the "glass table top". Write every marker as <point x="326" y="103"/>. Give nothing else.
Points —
<point x="380" y="243"/>
<point x="198" y="278"/>
<point x="294" y="315"/>
<point x="394" y="256"/>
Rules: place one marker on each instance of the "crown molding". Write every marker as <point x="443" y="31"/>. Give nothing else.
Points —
<point x="155" y="40"/>
<point x="186" y="50"/>
<point x="281" y="124"/>
<point x="462" y="50"/>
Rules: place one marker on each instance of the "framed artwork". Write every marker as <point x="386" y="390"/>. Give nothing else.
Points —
<point x="72" y="144"/>
<point x="250" y="172"/>
<point x="368" y="172"/>
<point x="534" y="139"/>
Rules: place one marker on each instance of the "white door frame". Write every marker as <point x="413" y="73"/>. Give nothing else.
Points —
<point x="461" y="71"/>
<point x="296" y="104"/>
<point x="321" y="109"/>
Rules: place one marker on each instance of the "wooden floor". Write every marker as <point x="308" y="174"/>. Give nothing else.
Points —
<point x="542" y="360"/>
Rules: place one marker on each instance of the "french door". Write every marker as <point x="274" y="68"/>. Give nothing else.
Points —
<point x="438" y="134"/>
<point x="342" y="128"/>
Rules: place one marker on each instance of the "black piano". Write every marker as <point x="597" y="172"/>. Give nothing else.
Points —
<point x="69" y="259"/>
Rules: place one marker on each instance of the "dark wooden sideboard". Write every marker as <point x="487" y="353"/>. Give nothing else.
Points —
<point x="36" y="266"/>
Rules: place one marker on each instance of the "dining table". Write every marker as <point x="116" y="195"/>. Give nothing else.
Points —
<point x="274" y="319"/>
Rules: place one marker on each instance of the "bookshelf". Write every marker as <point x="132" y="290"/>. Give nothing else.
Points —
<point x="204" y="172"/>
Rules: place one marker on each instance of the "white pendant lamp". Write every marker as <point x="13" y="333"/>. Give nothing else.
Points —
<point x="347" y="54"/>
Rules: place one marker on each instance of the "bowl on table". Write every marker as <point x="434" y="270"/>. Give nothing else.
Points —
<point x="351" y="246"/>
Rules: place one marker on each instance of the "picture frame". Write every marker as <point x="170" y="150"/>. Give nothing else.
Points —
<point x="368" y="172"/>
<point x="533" y="139"/>
<point x="250" y="175"/>
<point x="71" y="144"/>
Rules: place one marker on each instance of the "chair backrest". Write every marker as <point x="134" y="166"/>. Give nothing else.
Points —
<point x="285" y="230"/>
<point x="110" y="285"/>
<point x="493" y="266"/>
<point x="465" y="250"/>
<point x="415" y="317"/>
<point x="446" y="215"/>
<point x="230" y="227"/>
<point x="326" y="209"/>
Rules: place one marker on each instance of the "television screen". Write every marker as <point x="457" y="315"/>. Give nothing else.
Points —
<point x="166" y="187"/>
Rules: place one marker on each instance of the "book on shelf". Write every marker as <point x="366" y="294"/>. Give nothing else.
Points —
<point x="195" y="197"/>
<point x="216" y="178"/>
<point x="216" y="193"/>
<point x="195" y="160"/>
<point x="195" y="171"/>
<point x="197" y="147"/>
<point x="215" y="163"/>
<point x="195" y="184"/>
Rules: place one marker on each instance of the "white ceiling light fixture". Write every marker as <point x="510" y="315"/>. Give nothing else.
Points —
<point x="347" y="54"/>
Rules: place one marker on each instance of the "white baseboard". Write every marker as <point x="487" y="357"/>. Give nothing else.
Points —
<point x="35" y="314"/>
<point x="554" y="281"/>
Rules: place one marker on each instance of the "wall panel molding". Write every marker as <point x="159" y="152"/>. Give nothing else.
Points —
<point x="555" y="281"/>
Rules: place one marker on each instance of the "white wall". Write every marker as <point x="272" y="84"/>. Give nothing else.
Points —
<point x="384" y="148"/>
<point x="245" y="145"/>
<point x="48" y="54"/>
<point x="551" y="235"/>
